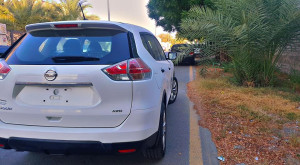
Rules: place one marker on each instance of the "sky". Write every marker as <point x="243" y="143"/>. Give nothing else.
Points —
<point x="127" y="11"/>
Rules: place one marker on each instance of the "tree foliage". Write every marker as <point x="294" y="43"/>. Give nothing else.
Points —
<point x="6" y="16"/>
<point x="70" y="9"/>
<point x="17" y="14"/>
<point x="165" y="37"/>
<point x="168" y="14"/>
<point x="253" y="33"/>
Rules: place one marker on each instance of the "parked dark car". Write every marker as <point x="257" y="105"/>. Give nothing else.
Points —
<point x="3" y="49"/>
<point x="185" y="53"/>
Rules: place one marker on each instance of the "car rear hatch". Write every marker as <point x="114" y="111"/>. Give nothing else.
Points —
<point x="57" y="79"/>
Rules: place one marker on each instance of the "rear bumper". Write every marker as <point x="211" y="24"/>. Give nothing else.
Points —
<point x="188" y="59"/>
<point x="140" y="125"/>
<point x="73" y="147"/>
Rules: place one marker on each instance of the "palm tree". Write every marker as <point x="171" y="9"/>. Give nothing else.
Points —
<point x="52" y="11"/>
<point x="17" y="14"/>
<point x="71" y="10"/>
<point x="6" y="16"/>
<point x="26" y="12"/>
<point x="253" y="33"/>
<point x="92" y="17"/>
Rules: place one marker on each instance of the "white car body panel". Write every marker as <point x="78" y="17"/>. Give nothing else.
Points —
<point x="28" y="107"/>
<point x="88" y="115"/>
<point x="140" y="125"/>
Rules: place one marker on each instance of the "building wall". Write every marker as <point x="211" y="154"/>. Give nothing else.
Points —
<point x="13" y="36"/>
<point x="290" y="59"/>
<point x="3" y="38"/>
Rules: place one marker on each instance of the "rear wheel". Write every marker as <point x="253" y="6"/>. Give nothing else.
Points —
<point x="174" y="91"/>
<point x="159" y="149"/>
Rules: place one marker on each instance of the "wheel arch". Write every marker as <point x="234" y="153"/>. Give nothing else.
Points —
<point x="164" y="99"/>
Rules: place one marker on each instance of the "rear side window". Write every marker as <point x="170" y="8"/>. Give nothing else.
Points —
<point x="153" y="47"/>
<point x="150" y="46"/>
<point x="71" y="47"/>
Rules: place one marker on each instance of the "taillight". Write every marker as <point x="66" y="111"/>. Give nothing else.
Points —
<point x="66" y="25"/>
<point x="138" y="70"/>
<point x="192" y="53"/>
<point x="4" y="69"/>
<point x="127" y="151"/>
<point x="118" y="72"/>
<point x="133" y="69"/>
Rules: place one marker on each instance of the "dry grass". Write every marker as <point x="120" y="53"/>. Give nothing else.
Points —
<point x="264" y="121"/>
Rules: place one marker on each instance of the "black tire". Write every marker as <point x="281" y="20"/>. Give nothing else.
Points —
<point x="158" y="151"/>
<point x="174" y="91"/>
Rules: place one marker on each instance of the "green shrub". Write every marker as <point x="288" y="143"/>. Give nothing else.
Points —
<point x="253" y="33"/>
<point x="295" y="76"/>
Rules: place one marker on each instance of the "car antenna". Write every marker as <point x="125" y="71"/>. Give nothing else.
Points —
<point x="80" y="5"/>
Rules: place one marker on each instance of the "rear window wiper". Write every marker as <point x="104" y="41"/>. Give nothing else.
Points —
<point x="70" y="59"/>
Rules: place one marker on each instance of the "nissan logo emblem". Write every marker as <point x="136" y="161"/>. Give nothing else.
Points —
<point x="50" y="75"/>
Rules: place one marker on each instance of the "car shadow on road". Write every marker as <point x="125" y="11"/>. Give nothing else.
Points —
<point x="132" y="159"/>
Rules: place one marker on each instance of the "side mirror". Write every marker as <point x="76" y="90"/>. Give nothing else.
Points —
<point x="172" y="55"/>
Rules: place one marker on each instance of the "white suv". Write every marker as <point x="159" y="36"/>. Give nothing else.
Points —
<point x="86" y="86"/>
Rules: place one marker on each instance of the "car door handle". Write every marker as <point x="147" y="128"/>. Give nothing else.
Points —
<point x="162" y="70"/>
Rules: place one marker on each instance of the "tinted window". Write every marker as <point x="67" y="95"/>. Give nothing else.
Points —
<point x="147" y="46"/>
<point x="161" y="51"/>
<point x="179" y="47"/>
<point x="71" y="47"/>
<point x="153" y="47"/>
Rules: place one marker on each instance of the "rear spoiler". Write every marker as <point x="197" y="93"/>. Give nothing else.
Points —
<point x="80" y="25"/>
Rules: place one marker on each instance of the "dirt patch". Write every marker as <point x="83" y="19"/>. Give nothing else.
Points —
<point x="248" y="125"/>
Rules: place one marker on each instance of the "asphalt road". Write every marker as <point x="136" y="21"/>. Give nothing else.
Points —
<point x="186" y="142"/>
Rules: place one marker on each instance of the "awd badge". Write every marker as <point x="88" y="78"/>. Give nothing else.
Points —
<point x="2" y="102"/>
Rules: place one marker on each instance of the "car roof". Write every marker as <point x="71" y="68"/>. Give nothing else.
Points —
<point x="87" y="24"/>
<point x="178" y="45"/>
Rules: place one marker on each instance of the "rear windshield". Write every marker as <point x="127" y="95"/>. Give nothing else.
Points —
<point x="71" y="47"/>
<point x="179" y="47"/>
